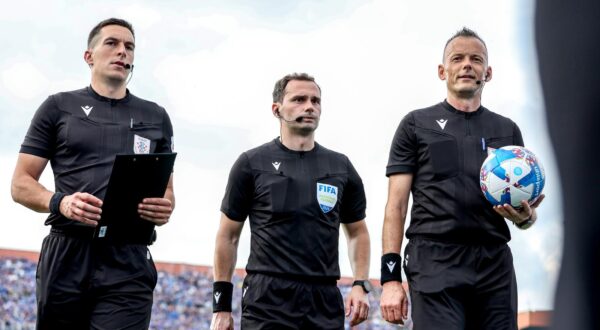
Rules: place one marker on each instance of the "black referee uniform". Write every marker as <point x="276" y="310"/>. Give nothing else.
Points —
<point x="296" y="201"/>
<point x="83" y="284"/>
<point x="459" y="267"/>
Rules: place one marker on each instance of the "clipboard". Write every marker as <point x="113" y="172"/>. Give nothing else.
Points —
<point x="133" y="178"/>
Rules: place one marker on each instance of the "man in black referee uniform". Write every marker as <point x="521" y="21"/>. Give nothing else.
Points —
<point x="459" y="267"/>
<point x="296" y="194"/>
<point x="81" y="283"/>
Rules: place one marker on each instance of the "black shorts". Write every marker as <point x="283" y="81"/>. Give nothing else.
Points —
<point x="280" y="304"/>
<point x="83" y="284"/>
<point x="455" y="286"/>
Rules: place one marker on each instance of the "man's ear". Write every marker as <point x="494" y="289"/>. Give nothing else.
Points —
<point x="441" y="72"/>
<point x="488" y="74"/>
<point x="87" y="57"/>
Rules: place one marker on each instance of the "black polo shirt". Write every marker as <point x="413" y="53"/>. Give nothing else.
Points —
<point x="296" y="202"/>
<point x="444" y="148"/>
<point x="80" y="132"/>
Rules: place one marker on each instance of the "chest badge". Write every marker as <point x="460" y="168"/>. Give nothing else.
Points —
<point x="141" y="145"/>
<point x="442" y="122"/>
<point x="326" y="196"/>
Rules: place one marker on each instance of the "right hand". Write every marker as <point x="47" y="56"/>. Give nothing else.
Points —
<point x="394" y="303"/>
<point x="222" y="321"/>
<point x="82" y="207"/>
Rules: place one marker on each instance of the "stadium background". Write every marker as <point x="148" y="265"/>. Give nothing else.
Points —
<point x="182" y="298"/>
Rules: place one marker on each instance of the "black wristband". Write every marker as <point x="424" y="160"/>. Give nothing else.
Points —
<point x="54" y="204"/>
<point x="222" y="296"/>
<point x="391" y="264"/>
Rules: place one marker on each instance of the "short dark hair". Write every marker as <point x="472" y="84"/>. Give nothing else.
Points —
<point x="464" y="32"/>
<point x="279" y="90"/>
<point x="109" y="21"/>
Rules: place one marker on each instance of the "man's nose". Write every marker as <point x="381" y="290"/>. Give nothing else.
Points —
<point x="121" y="49"/>
<point x="309" y="107"/>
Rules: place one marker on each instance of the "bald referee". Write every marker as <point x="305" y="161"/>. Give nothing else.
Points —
<point x="296" y="194"/>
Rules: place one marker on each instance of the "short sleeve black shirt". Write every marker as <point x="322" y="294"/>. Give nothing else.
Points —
<point x="80" y="132"/>
<point x="444" y="148"/>
<point x="295" y="202"/>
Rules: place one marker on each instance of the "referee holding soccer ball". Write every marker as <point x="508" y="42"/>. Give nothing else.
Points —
<point x="296" y="194"/>
<point x="458" y="265"/>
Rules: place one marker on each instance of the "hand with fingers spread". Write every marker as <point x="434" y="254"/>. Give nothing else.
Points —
<point x="156" y="210"/>
<point x="394" y="303"/>
<point x="82" y="207"/>
<point x="521" y="216"/>
<point x="357" y="304"/>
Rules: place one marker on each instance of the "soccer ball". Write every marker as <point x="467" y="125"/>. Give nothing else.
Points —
<point x="511" y="174"/>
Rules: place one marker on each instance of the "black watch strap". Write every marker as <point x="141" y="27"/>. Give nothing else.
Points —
<point x="365" y="284"/>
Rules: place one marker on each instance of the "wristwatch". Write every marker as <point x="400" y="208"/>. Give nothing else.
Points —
<point x="365" y="284"/>
<point x="525" y="224"/>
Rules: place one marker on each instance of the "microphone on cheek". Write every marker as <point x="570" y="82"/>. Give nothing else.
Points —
<point x="481" y="81"/>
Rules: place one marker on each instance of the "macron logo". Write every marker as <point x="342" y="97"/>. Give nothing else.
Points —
<point x="86" y="109"/>
<point x="391" y="266"/>
<point x="276" y="165"/>
<point x="442" y="122"/>
<point x="217" y="296"/>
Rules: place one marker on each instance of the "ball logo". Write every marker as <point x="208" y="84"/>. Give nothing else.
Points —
<point x="326" y="196"/>
<point x="518" y="171"/>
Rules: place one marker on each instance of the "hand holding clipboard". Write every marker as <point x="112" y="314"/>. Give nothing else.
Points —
<point x="133" y="179"/>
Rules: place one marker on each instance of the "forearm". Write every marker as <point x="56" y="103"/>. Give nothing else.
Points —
<point x="393" y="228"/>
<point x="225" y="259"/>
<point x="359" y="252"/>
<point x="226" y="250"/>
<point x="28" y="192"/>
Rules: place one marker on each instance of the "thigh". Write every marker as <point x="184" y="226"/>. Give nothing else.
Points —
<point x="496" y="298"/>
<point x="62" y="283"/>
<point x="327" y="308"/>
<point x="270" y="303"/>
<point x="122" y="307"/>
<point x="444" y="309"/>
<point x="123" y="287"/>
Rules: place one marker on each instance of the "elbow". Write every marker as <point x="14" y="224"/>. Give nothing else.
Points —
<point x="234" y="240"/>
<point x="15" y="192"/>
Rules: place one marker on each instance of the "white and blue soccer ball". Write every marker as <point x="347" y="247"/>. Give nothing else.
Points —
<point x="511" y="174"/>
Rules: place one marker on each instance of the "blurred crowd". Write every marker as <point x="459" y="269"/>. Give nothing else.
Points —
<point x="182" y="301"/>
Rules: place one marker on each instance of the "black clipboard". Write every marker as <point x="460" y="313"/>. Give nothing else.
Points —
<point x="133" y="178"/>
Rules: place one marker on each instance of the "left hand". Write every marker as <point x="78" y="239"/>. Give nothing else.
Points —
<point x="525" y="212"/>
<point x="358" y="303"/>
<point x="156" y="210"/>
